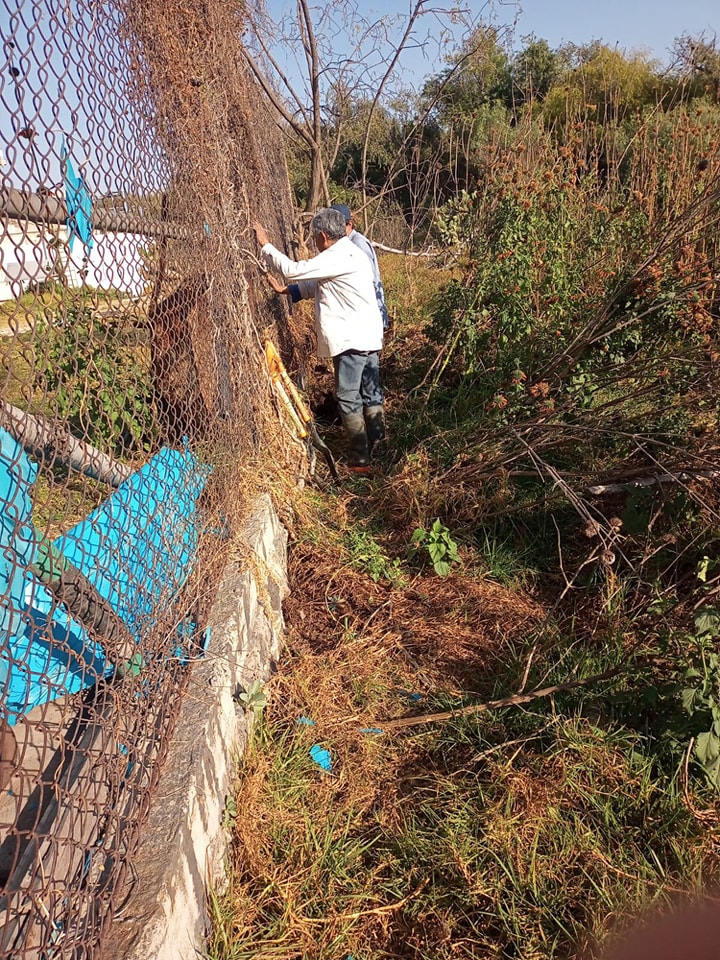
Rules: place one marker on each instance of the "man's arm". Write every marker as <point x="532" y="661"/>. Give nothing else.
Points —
<point x="321" y="267"/>
<point x="293" y="290"/>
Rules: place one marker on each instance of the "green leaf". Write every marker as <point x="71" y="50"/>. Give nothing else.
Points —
<point x="688" y="700"/>
<point x="437" y="552"/>
<point x="254" y="697"/>
<point x="707" y="747"/>
<point x="442" y="568"/>
<point x="707" y="621"/>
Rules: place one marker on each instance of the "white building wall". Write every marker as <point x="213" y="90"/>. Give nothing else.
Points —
<point x="116" y="261"/>
<point x="26" y="257"/>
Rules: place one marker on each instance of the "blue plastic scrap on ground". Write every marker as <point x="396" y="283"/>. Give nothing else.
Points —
<point x="137" y="549"/>
<point x="305" y="721"/>
<point x="322" y="757"/>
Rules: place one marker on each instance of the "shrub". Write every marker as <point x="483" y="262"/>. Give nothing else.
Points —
<point x="437" y="545"/>
<point x="98" y="377"/>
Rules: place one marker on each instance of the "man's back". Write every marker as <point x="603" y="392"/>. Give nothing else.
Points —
<point x="341" y="281"/>
<point x="362" y="243"/>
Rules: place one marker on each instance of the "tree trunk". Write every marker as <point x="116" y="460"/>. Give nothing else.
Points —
<point x="317" y="188"/>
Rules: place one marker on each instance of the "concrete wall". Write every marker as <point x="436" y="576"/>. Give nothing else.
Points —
<point x="184" y="841"/>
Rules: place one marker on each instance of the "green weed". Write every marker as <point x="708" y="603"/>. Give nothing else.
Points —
<point x="436" y="545"/>
<point x="504" y="560"/>
<point x="367" y="555"/>
<point x="253" y="699"/>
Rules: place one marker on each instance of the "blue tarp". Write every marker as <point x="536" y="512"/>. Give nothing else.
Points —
<point x="137" y="549"/>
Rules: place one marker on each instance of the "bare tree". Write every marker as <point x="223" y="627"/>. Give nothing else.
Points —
<point x="316" y="65"/>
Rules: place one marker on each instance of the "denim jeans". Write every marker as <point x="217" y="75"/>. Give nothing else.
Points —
<point x="357" y="380"/>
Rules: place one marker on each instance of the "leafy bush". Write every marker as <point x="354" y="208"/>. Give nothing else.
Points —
<point x="570" y="282"/>
<point x="98" y="378"/>
<point x="701" y="696"/>
<point x="533" y="245"/>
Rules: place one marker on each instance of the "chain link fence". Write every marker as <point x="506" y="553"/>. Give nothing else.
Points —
<point x="135" y="418"/>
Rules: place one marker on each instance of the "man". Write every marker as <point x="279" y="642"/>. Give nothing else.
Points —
<point x="347" y="320"/>
<point x="362" y="242"/>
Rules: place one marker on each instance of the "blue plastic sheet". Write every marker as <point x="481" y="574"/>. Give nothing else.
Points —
<point x="78" y="202"/>
<point x="137" y="549"/>
<point x="322" y="757"/>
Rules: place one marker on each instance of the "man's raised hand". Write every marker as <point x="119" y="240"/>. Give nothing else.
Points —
<point x="260" y="233"/>
<point x="275" y="284"/>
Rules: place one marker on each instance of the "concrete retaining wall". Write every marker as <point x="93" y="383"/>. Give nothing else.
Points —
<point x="184" y="841"/>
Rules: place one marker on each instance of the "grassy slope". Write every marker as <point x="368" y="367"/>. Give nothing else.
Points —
<point x="531" y="831"/>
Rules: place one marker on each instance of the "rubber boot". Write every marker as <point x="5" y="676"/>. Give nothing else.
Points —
<point x="354" y="425"/>
<point x="375" y="427"/>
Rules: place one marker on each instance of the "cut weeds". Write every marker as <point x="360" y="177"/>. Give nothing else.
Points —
<point x="526" y="832"/>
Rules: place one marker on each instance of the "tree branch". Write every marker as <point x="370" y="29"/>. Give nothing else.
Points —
<point x="515" y="700"/>
<point x="273" y="97"/>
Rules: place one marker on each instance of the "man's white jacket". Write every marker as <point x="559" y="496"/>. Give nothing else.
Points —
<point x="347" y="316"/>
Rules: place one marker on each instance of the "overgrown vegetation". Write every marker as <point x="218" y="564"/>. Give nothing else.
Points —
<point x="516" y="832"/>
<point x="546" y="536"/>
<point x="94" y="373"/>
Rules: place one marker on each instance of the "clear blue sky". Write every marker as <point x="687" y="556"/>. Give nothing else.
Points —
<point x="650" y="25"/>
<point x="631" y="24"/>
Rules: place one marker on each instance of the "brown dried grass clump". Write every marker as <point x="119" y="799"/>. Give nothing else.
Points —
<point x="461" y="626"/>
<point x="442" y="632"/>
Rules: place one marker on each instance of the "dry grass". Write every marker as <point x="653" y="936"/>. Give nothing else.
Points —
<point x="451" y="629"/>
<point x="517" y="834"/>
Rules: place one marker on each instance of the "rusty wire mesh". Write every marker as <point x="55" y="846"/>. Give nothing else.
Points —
<point x="135" y="415"/>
